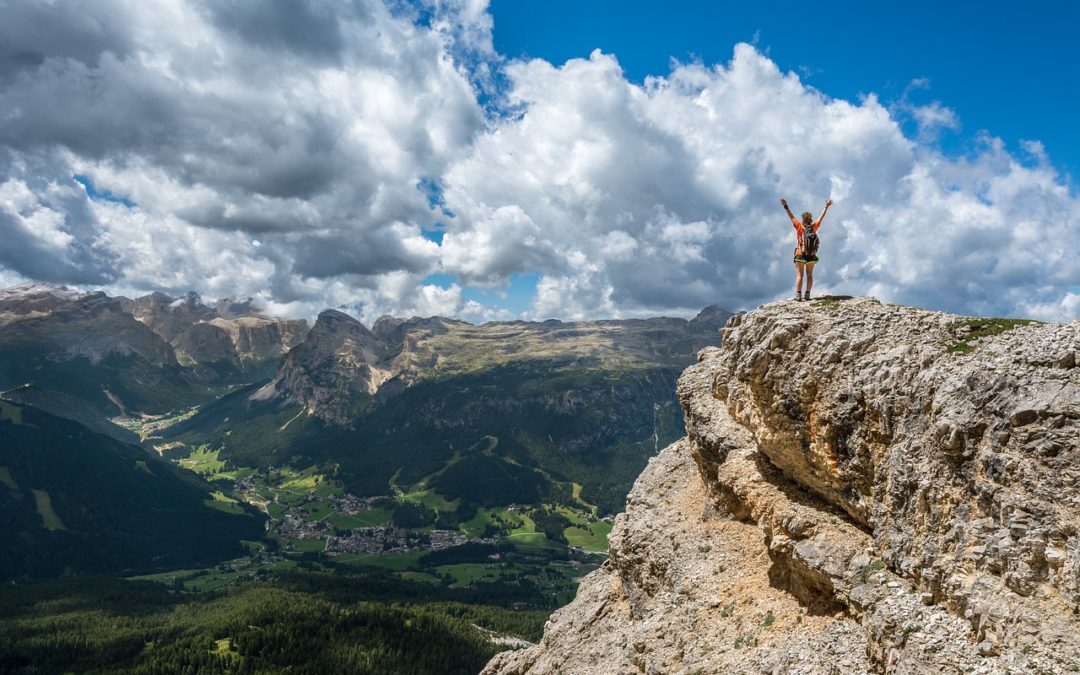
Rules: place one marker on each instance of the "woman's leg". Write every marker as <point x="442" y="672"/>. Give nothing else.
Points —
<point x="809" y="278"/>
<point x="799" y="267"/>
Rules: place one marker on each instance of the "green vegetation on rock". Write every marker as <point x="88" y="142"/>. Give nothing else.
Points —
<point x="6" y="479"/>
<point x="49" y="519"/>
<point x="968" y="330"/>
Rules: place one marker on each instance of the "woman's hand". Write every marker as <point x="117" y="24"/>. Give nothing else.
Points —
<point x="828" y="203"/>
<point x="784" y="202"/>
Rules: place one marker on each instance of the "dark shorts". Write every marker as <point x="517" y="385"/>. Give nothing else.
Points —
<point x="805" y="259"/>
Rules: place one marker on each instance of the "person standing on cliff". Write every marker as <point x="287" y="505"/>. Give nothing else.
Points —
<point x="806" y="247"/>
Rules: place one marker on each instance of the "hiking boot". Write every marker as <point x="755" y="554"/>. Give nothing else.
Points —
<point x="806" y="296"/>
<point x="798" y="297"/>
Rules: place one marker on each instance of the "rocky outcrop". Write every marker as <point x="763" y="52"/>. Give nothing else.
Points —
<point x="226" y="335"/>
<point x="685" y="590"/>
<point x="896" y="492"/>
<point x="336" y="369"/>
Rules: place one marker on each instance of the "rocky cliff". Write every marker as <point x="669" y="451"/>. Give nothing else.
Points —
<point x="150" y="355"/>
<point x="60" y="324"/>
<point x="863" y="488"/>
<point x="338" y="366"/>
<point x="227" y="335"/>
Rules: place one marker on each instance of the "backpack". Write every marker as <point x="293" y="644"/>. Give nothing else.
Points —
<point x="810" y="241"/>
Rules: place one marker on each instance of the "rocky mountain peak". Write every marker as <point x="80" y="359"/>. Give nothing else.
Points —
<point x="231" y="308"/>
<point x="336" y="331"/>
<point x="863" y="488"/>
<point x="338" y="366"/>
<point x="167" y="316"/>
<point x="711" y="317"/>
<point x="332" y="319"/>
<point x="35" y="300"/>
<point x="32" y="288"/>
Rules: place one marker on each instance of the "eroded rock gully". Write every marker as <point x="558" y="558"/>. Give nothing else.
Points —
<point x="862" y="488"/>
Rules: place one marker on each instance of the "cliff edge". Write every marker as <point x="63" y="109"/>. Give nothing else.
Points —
<point x="863" y="488"/>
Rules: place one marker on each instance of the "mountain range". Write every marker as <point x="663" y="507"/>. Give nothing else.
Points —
<point x="151" y="355"/>
<point x="492" y="415"/>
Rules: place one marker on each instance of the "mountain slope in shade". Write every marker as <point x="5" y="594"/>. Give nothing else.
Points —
<point x="70" y="408"/>
<point x="153" y="355"/>
<point x="77" y="502"/>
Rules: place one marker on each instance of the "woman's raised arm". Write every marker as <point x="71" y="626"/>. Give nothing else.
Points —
<point x="828" y="203"/>
<point x="790" y="214"/>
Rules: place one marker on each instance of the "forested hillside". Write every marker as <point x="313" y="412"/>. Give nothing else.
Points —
<point x="300" y="623"/>
<point x="77" y="502"/>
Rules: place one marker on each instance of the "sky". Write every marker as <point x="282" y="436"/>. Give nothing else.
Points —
<point x="541" y="159"/>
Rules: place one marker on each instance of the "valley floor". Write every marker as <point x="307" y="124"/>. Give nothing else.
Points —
<point x="311" y="519"/>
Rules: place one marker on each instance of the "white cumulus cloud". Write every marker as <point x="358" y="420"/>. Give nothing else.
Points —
<point x="664" y="196"/>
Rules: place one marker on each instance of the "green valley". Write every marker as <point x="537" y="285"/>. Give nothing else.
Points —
<point x="416" y="534"/>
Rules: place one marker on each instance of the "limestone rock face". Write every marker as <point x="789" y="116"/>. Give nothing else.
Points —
<point x="167" y="316"/>
<point x="900" y="494"/>
<point x="230" y="333"/>
<point x="258" y="338"/>
<point x="335" y="368"/>
<point x="204" y="342"/>
<point x="686" y="590"/>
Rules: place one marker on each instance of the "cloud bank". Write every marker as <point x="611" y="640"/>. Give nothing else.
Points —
<point x="304" y="154"/>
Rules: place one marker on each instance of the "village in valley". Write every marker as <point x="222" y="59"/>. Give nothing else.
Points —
<point x="419" y="535"/>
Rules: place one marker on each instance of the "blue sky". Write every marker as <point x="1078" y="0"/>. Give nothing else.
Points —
<point x="1010" y="68"/>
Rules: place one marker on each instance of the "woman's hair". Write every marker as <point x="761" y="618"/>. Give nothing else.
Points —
<point x="807" y="218"/>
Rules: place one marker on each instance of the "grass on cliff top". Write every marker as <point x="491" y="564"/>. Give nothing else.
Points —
<point x="973" y="329"/>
